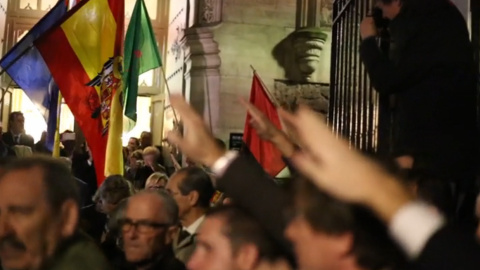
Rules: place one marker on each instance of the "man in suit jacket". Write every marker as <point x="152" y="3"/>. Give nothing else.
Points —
<point x="16" y="131"/>
<point x="419" y="230"/>
<point x="192" y="189"/>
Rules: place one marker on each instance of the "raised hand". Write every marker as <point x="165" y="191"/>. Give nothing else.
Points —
<point x="266" y="130"/>
<point x="197" y="142"/>
<point x="345" y="173"/>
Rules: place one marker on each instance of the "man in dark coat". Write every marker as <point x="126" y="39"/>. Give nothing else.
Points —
<point x="16" y="132"/>
<point x="430" y="73"/>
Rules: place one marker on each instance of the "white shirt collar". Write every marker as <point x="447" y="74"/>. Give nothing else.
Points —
<point x="192" y="229"/>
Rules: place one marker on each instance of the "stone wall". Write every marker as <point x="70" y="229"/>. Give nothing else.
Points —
<point x="250" y="32"/>
<point x="247" y="36"/>
<point x="211" y="48"/>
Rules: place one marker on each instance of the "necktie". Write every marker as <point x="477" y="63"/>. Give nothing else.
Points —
<point x="17" y="139"/>
<point x="183" y="235"/>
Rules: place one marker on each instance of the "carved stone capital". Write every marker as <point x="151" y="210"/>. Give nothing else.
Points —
<point x="308" y="45"/>
<point x="209" y="12"/>
<point x="201" y="50"/>
<point x="303" y="64"/>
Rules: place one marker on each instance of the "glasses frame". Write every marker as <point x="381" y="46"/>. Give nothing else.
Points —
<point x="148" y="226"/>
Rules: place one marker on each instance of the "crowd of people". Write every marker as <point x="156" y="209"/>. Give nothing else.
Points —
<point x="340" y="210"/>
<point x="329" y="217"/>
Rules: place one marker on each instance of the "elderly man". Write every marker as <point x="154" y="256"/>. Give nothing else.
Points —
<point x="39" y="212"/>
<point x="148" y="228"/>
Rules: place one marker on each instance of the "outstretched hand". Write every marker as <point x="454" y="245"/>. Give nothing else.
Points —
<point x="197" y="142"/>
<point x="344" y="173"/>
<point x="267" y="131"/>
<point x="264" y="127"/>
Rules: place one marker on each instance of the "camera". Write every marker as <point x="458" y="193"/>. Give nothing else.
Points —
<point x="380" y="22"/>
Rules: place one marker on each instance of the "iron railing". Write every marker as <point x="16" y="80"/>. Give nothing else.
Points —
<point x="354" y="105"/>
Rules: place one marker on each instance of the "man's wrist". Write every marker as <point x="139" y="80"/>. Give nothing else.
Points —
<point x="283" y="143"/>
<point x="222" y="163"/>
<point x="388" y="198"/>
<point x="213" y="157"/>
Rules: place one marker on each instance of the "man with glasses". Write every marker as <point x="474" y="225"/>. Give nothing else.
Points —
<point x="148" y="228"/>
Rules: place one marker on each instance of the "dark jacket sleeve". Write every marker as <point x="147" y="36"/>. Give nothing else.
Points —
<point x="450" y="249"/>
<point x="251" y="188"/>
<point x="390" y="78"/>
<point x="429" y="38"/>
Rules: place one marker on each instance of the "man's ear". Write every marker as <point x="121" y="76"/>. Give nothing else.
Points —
<point x="70" y="218"/>
<point x="344" y="243"/>
<point x="171" y="233"/>
<point x="193" y="197"/>
<point x="247" y="257"/>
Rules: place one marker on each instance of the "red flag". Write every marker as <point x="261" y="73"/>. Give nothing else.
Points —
<point x="264" y="152"/>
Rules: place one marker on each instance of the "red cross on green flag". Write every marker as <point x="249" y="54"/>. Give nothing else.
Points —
<point x="140" y="55"/>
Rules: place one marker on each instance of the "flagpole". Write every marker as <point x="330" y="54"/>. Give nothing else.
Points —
<point x="169" y="93"/>
<point x="272" y="97"/>
<point x="207" y="89"/>
<point x="56" y="144"/>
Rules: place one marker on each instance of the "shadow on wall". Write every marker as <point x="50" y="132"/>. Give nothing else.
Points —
<point x="299" y="54"/>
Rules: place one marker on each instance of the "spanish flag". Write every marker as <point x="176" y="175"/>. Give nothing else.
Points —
<point x="84" y="55"/>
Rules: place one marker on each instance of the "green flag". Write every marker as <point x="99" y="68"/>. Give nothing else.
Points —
<point x="140" y="55"/>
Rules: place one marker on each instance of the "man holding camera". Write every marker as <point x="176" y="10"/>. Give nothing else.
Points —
<point x="430" y="72"/>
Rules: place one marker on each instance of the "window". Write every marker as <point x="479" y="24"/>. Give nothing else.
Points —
<point x="47" y="4"/>
<point x="143" y="120"/>
<point x="28" y="4"/>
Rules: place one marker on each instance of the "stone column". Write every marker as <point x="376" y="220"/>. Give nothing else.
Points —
<point x="202" y="62"/>
<point x="202" y="73"/>
<point x="308" y="13"/>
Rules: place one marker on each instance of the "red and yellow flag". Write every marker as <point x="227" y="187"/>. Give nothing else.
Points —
<point x="84" y="55"/>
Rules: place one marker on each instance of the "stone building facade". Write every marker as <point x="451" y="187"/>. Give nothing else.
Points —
<point x="212" y="44"/>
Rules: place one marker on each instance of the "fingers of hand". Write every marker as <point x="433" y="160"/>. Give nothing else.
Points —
<point x="175" y="138"/>
<point x="307" y="164"/>
<point x="184" y="109"/>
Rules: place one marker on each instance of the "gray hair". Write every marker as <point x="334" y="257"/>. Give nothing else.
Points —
<point x="170" y="205"/>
